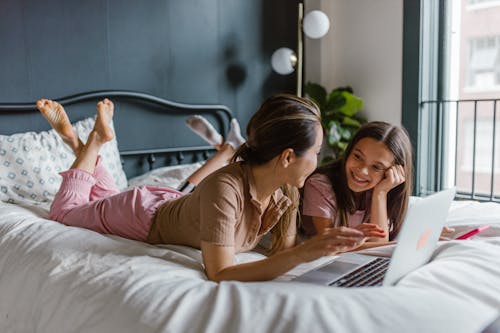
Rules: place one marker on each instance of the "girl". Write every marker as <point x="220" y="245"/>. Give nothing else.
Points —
<point x="230" y="209"/>
<point x="371" y="183"/>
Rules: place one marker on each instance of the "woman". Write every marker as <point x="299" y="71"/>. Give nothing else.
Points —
<point x="228" y="212"/>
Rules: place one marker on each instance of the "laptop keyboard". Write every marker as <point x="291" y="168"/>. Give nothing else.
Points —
<point x="371" y="274"/>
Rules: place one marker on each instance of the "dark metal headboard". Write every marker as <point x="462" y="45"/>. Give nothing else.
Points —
<point x="150" y="130"/>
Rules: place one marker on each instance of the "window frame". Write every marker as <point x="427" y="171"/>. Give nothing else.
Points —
<point x="423" y="54"/>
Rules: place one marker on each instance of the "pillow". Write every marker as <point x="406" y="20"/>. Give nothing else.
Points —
<point x="473" y="213"/>
<point x="170" y="176"/>
<point x="30" y="163"/>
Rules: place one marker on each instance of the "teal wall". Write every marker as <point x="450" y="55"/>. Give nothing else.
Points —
<point x="193" y="51"/>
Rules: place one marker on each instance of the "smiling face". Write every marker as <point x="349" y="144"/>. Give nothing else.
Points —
<point x="366" y="165"/>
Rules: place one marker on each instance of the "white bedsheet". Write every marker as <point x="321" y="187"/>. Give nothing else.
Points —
<point x="55" y="278"/>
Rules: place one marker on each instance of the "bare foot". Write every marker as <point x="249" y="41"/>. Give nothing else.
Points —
<point x="102" y="130"/>
<point x="58" y="119"/>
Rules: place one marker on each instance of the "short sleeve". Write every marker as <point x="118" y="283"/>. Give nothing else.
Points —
<point x="220" y="207"/>
<point x="318" y="197"/>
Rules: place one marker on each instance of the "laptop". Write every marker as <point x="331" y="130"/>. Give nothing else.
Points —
<point x="416" y="242"/>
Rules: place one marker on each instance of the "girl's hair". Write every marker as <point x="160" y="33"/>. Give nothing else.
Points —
<point x="396" y="139"/>
<point x="283" y="121"/>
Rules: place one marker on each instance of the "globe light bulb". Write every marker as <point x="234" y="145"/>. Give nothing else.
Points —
<point x="315" y="24"/>
<point x="283" y="61"/>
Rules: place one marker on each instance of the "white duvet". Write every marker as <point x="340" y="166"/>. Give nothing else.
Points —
<point x="55" y="278"/>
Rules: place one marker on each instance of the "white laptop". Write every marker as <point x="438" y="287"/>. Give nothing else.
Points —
<point x="416" y="242"/>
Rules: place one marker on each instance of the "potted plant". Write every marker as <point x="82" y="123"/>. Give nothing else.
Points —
<point x="340" y="115"/>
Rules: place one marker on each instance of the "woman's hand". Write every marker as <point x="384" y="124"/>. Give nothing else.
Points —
<point x="330" y="242"/>
<point x="393" y="176"/>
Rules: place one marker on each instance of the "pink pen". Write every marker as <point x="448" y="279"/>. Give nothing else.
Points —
<point x="473" y="232"/>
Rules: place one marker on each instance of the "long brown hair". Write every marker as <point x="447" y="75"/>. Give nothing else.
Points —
<point x="396" y="139"/>
<point x="283" y="121"/>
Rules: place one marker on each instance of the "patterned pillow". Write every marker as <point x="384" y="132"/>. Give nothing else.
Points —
<point x="30" y="163"/>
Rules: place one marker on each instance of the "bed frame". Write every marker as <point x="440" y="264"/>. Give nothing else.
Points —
<point x="150" y="130"/>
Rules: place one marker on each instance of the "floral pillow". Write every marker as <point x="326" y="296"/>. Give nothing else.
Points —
<point x="30" y="163"/>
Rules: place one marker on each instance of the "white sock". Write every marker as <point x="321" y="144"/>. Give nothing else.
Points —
<point x="234" y="137"/>
<point x="203" y="128"/>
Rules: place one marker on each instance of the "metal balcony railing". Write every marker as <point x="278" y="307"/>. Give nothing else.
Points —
<point x="467" y="146"/>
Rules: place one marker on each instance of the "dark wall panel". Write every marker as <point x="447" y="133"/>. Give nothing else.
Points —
<point x="14" y="63"/>
<point x="65" y="49"/>
<point x="193" y="45"/>
<point x="194" y="51"/>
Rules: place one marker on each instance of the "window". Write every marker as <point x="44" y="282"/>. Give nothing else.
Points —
<point x="453" y="112"/>
<point x="483" y="67"/>
<point x="479" y="4"/>
<point x="481" y="137"/>
<point x="476" y="141"/>
<point x="472" y="2"/>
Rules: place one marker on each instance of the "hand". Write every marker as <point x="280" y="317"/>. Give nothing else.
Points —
<point x="446" y="231"/>
<point x="371" y="230"/>
<point x="330" y="242"/>
<point x="393" y="176"/>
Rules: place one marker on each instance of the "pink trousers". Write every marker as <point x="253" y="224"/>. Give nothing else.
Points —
<point x="93" y="201"/>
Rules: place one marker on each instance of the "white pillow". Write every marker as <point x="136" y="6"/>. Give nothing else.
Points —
<point x="30" y="163"/>
<point x="170" y="176"/>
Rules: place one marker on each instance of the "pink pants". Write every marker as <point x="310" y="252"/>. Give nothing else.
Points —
<point x="93" y="201"/>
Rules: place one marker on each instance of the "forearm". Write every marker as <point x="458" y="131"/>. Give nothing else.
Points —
<point x="378" y="215"/>
<point x="219" y="260"/>
<point x="216" y="162"/>
<point x="262" y="270"/>
<point x="322" y="223"/>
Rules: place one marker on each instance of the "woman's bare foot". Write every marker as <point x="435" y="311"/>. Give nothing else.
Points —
<point x="102" y="131"/>
<point x="54" y="113"/>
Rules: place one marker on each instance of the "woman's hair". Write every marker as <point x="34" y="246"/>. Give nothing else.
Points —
<point x="396" y="139"/>
<point x="283" y="121"/>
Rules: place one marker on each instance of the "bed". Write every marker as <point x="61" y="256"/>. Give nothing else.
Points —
<point x="55" y="278"/>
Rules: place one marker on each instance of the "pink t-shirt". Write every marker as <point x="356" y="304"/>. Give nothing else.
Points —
<point x="319" y="201"/>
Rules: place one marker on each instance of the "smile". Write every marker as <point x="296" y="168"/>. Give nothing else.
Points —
<point x="358" y="179"/>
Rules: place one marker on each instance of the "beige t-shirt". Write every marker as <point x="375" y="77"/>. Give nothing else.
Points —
<point x="222" y="210"/>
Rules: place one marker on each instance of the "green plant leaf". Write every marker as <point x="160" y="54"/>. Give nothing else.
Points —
<point x="352" y="104"/>
<point x="342" y="145"/>
<point x="348" y="121"/>
<point x="334" y="102"/>
<point x="317" y="93"/>
<point x="339" y="115"/>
